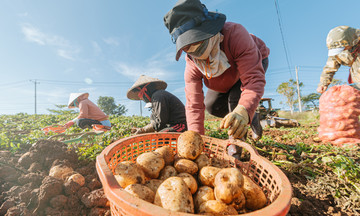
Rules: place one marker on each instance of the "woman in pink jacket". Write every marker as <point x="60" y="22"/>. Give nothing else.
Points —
<point x="89" y="113"/>
<point x="227" y="59"/>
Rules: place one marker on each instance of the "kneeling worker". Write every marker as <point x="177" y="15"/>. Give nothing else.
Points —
<point x="168" y="112"/>
<point x="89" y="113"/>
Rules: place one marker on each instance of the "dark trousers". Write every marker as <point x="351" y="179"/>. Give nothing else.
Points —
<point x="87" y="123"/>
<point x="220" y="104"/>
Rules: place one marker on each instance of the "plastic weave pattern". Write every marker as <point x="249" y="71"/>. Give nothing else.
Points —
<point x="270" y="178"/>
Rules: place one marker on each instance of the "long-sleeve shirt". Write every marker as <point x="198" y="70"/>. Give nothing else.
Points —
<point x="167" y="109"/>
<point x="245" y="58"/>
<point x="333" y="63"/>
<point x="90" y="111"/>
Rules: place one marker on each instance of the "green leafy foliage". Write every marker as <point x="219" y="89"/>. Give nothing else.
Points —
<point x="108" y="106"/>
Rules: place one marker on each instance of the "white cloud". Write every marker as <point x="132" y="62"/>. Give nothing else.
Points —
<point x="25" y="14"/>
<point x="63" y="47"/>
<point x="134" y="71"/>
<point x="112" y="41"/>
<point x="65" y="54"/>
<point x="97" y="49"/>
<point x="88" y="81"/>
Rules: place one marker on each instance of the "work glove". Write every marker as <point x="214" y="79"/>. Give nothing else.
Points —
<point x="147" y="129"/>
<point x="321" y="89"/>
<point x="69" y="124"/>
<point x="236" y="121"/>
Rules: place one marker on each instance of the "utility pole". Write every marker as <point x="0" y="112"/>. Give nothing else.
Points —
<point x="298" y="88"/>
<point x="35" y="82"/>
<point x="140" y="109"/>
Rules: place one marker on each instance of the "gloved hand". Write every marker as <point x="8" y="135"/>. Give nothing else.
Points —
<point x="136" y="131"/>
<point x="321" y="89"/>
<point x="236" y="121"/>
<point x="147" y="129"/>
<point x="69" y="124"/>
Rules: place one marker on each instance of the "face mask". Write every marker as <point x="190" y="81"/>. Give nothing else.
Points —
<point x="198" y="50"/>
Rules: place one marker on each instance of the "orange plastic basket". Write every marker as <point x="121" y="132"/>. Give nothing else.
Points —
<point x="54" y="128"/>
<point x="269" y="177"/>
<point x="98" y="127"/>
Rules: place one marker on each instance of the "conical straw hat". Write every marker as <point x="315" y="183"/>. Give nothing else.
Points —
<point x="142" y="80"/>
<point x="74" y="96"/>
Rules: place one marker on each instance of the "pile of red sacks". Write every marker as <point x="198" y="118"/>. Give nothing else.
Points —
<point x="339" y="109"/>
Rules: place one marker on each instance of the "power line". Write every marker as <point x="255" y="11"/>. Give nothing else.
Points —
<point x="282" y="35"/>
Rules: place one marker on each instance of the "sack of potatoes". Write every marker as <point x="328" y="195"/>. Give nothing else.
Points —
<point x="189" y="181"/>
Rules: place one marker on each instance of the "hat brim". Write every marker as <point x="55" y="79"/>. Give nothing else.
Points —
<point x="335" y="51"/>
<point x="133" y="95"/>
<point x="206" y="30"/>
<point x="76" y="96"/>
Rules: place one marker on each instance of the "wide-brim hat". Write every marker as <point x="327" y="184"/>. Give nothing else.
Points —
<point x="74" y="96"/>
<point x="189" y="22"/>
<point x="340" y="37"/>
<point x="148" y="105"/>
<point x="143" y="80"/>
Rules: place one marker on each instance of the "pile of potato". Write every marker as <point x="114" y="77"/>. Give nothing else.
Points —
<point x="189" y="181"/>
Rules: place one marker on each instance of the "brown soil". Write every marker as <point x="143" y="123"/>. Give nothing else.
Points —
<point x="27" y="189"/>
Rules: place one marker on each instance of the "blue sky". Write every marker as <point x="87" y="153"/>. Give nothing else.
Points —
<point x="102" y="47"/>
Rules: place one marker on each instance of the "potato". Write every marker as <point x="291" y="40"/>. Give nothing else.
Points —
<point x="127" y="173"/>
<point x="190" y="181"/>
<point x="151" y="163"/>
<point x="207" y="175"/>
<point x="173" y="194"/>
<point x="78" y="178"/>
<point x="167" y="153"/>
<point x="202" y="160"/>
<point x="216" y="162"/>
<point x="255" y="197"/>
<point x="239" y="202"/>
<point x="153" y="184"/>
<point x="215" y="207"/>
<point x="228" y="184"/>
<point x="167" y="172"/>
<point x="141" y="191"/>
<point x="60" y="171"/>
<point x="204" y="194"/>
<point x="190" y="145"/>
<point x="185" y="165"/>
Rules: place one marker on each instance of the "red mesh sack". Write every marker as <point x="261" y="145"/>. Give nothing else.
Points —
<point x="339" y="109"/>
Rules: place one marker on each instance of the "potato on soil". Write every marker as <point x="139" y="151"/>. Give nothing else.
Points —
<point x="127" y="173"/>
<point x="187" y="166"/>
<point x="228" y="184"/>
<point x="141" y="191"/>
<point x="207" y="175"/>
<point x="204" y="194"/>
<point x="190" y="145"/>
<point x="60" y="171"/>
<point x="167" y="172"/>
<point x="78" y="178"/>
<point x="217" y="208"/>
<point x="202" y="161"/>
<point x="255" y="197"/>
<point x="190" y="181"/>
<point x="173" y="194"/>
<point x="153" y="184"/>
<point x="151" y="163"/>
<point x="167" y="153"/>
